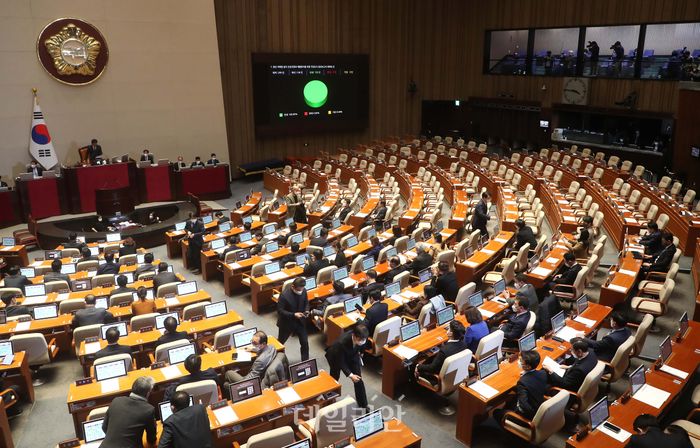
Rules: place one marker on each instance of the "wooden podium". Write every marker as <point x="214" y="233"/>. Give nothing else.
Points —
<point x="110" y="201"/>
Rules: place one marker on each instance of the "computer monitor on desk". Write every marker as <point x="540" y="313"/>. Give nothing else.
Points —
<point x="160" y="319"/>
<point x="352" y="304"/>
<point x="92" y="430"/>
<point x="665" y="349"/>
<point x="303" y="371"/>
<point x="598" y="413"/>
<point x="582" y="304"/>
<point x="638" y="379"/>
<point x="409" y="331"/>
<point x="487" y="366"/>
<point x="558" y="321"/>
<point x="476" y="299"/>
<point x="243" y="338"/>
<point x="244" y="390"/>
<point x="165" y="411"/>
<point x="527" y="342"/>
<point x="121" y="326"/>
<point x="368" y="425"/>
<point x="215" y="309"/>
<point x="305" y="443"/>
<point x="445" y="315"/>
<point x="499" y="287"/>
<point x="109" y="370"/>
<point x="179" y="354"/>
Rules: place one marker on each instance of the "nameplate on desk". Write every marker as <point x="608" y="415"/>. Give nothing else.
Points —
<point x="224" y="348"/>
<point x="673" y="371"/>
<point x="218" y="405"/>
<point x="69" y="443"/>
<point x="157" y="365"/>
<point x="197" y="318"/>
<point x="92" y="339"/>
<point x="280" y="385"/>
<point x="83" y="381"/>
<point x="169" y="295"/>
<point x="146" y="329"/>
<point x="124" y="305"/>
<point x="617" y="288"/>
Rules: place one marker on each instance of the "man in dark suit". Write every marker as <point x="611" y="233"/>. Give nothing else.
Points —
<point x="146" y="156"/>
<point x="94" y="151"/>
<point x="525" y="235"/>
<point x="163" y="276"/>
<point x="11" y="307"/>
<point x="606" y="347"/>
<point x="187" y="427"/>
<point x="180" y="163"/>
<point x="292" y="312"/>
<point x="530" y="388"/>
<point x="454" y="345"/>
<point x="194" y="224"/>
<point x="220" y="217"/>
<point x="583" y="362"/>
<point x="35" y="169"/>
<point x="380" y="215"/>
<point x="122" y="288"/>
<point x="371" y="285"/>
<point x="113" y="346"/>
<point x="516" y="323"/>
<point x="90" y="315"/>
<point x="422" y="261"/>
<point x="193" y="364"/>
<point x="481" y="214"/>
<point x="377" y="312"/>
<point x="171" y="334"/>
<point x="194" y="259"/>
<point x="109" y="266"/>
<point x="197" y="162"/>
<point x="146" y="266"/>
<point x="340" y="259"/>
<point x="320" y="240"/>
<point x="662" y="261"/>
<point x="445" y="281"/>
<point x="14" y="279"/>
<point x="549" y="308"/>
<point x="73" y="242"/>
<point x="649" y="435"/>
<point x="86" y="255"/>
<point x="213" y="160"/>
<point x="652" y="240"/>
<point x="55" y="274"/>
<point x="128" y="417"/>
<point x="318" y="263"/>
<point x="345" y="355"/>
<point x="395" y="268"/>
<point x="527" y="290"/>
<point x="568" y="274"/>
<point x="345" y="210"/>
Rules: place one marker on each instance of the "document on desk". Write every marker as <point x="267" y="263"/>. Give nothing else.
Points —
<point x="621" y="436"/>
<point x="405" y="352"/>
<point x="501" y="240"/>
<point x="626" y="272"/>
<point x="23" y="326"/>
<point x="277" y="275"/>
<point x="172" y="301"/>
<point x="266" y="257"/>
<point x="483" y="389"/>
<point x="486" y="313"/>
<point x="652" y="396"/>
<point x="617" y="288"/>
<point x="568" y="333"/>
<point x="243" y="356"/>
<point x="353" y="316"/>
<point x="234" y="266"/>
<point x="350" y="252"/>
<point x="36" y="300"/>
<point x="410" y="294"/>
<point x="7" y="359"/>
<point x="348" y="282"/>
<point x="552" y="260"/>
<point x="225" y="415"/>
<point x="553" y="366"/>
<point x="584" y="321"/>
<point x="488" y="251"/>
<point x="288" y="395"/>
<point x="541" y="272"/>
<point x="63" y="296"/>
<point x="171" y="372"/>
<point x="398" y="298"/>
<point x="92" y="347"/>
<point x="111" y="385"/>
<point x="673" y="371"/>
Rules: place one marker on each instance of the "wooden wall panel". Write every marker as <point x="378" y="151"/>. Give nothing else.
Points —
<point x="437" y="43"/>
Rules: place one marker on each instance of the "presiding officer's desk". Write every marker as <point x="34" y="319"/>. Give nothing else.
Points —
<point x="685" y="356"/>
<point x="473" y="408"/>
<point x="84" y="398"/>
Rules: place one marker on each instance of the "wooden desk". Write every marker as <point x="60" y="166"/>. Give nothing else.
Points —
<point x="261" y="288"/>
<point x="481" y="261"/>
<point x="540" y="276"/>
<point x="18" y="373"/>
<point x="473" y="408"/>
<point x="250" y="207"/>
<point x="621" y="281"/>
<point x="208" y="238"/>
<point x="173" y="237"/>
<point x="395" y="435"/>
<point x="14" y="255"/>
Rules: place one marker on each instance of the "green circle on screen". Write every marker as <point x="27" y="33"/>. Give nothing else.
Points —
<point x="315" y="93"/>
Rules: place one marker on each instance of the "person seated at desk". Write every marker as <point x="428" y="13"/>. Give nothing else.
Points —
<point x="379" y="215"/>
<point x="377" y="312"/>
<point x="344" y="211"/>
<point x="412" y="307"/>
<point x="396" y="233"/>
<point x="437" y="246"/>
<point x="524" y="236"/>
<point x="345" y="355"/>
<point x="94" y="152"/>
<point x="188" y="426"/>
<point x="455" y="344"/>
<point x="528" y="290"/>
<point x="265" y="355"/>
<point x="9" y="298"/>
<point x="290" y="260"/>
<point x="371" y="284"/>
<point x="122" y="288"/>
<point x="661" y="262"/>
<point x="180" y="164"/>
<point x="113" y="346"/>
<point x="376" y="248"/>
<point x="142" y="305"/>
<point x="163" y="276"/>
<point x="128" y="247"/>
<point x="35" y="169"/>
<point x="15" y="409"/>
<point x="395" y="268"/>
<point x="171" y="334"/>
<point x="581" y="362"/>
<point x="91" y="315"/>
<point x="15" y="279"/>
<point x="55" y="273"/>
<point x="232" y="246"/>
<point x="477" y="329"/>
<point x="422" y="261"/>
<point x="516" y="323"/>
<point x="213" y="160"/>
<point x="197" y="163"/>
<point x="193" y="364"/>
<point x="606" y="347"/>
<point x="652" y="240"/>
<point x="339" y="296"/>
<point x="146" y="266"/>
<point x="315" y="265"/>
<point x="569" y="271"/>
<point x="321" y="240"/>
<point x="101" y="225"/>
<point x="109" y="266"/>
<point x="73" y="242"/>
<point x="530" y="388"/>
<point x="221" y="217"/>
<point x="584" y="237"/>
<point x="86" y="255"/>
<point x="445" y="281"/>
<point x="340" y="259"/>
<point x="549" y="308"/>
<point x="146" y="156"/>
<point x="128" y="417"/>
<point x="649" y="434"/>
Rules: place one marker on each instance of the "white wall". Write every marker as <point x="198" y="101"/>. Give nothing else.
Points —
<point x="161" y="89"/>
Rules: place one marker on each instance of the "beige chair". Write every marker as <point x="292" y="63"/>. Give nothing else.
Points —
<point x="70" y="305"/>
<point x="222" y="338"/>
<point x="161" y="353"/>
<point x="454" y="371"/>
<point x="203" y="392"/>
<point x="273" y="438"/>
<point x="569" y="293"/>
<point x="97" y="413"/>
<point x="404" y="279"/>
<point x="548" y="420"/>
<point x="143" y="321"/>
<point x="335" y="309"/>
<point x="16" y="291"/>
<point x="36" y="349"/>
<point x="128" y="260"/>
<point x="489" y="344"/>
<point x="87" y="265"/>
<point x="654" y="281"/>
<point x="656" y="306"/>
<point x="640" y="336"/>
<point x="195" y="309"/>
<point x="325" y="275"/>
<point x="507" y="273"/>
<point x="168" y="288"/>
<point x="463" y="295"/>
<point x="82" y="333"/>
<point x="128" y="362"/>
<point x="148" y="275"/>
<point x="619" y="364"/>
<point x="20" y="317"/>
<point x="121" y="298"/>
<point x="424" y="316"/>
<point x="692" y="428"/>
<point x="384" y="332"/>
<point x="56" y="286"/>
<point x="331" y="424"/>
<point x="70" y="253"/>
<point x="102" y="280"/>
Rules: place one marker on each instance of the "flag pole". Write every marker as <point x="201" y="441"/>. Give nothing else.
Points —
<point x="34" y="91"/>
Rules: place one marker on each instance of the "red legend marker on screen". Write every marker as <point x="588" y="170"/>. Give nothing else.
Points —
<point x="306" y="114"/>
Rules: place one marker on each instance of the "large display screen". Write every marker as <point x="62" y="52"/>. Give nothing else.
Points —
<point x="304" y="93"/>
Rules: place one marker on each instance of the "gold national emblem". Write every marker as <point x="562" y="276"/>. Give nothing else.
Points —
<point x="73" y="51"/>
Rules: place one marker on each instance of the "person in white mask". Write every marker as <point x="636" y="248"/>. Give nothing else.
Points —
<point x="346" y="355"/>
<point x="530" y="388"/>
<point x="265" y="354"/>
<point x="292" y="313"/>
